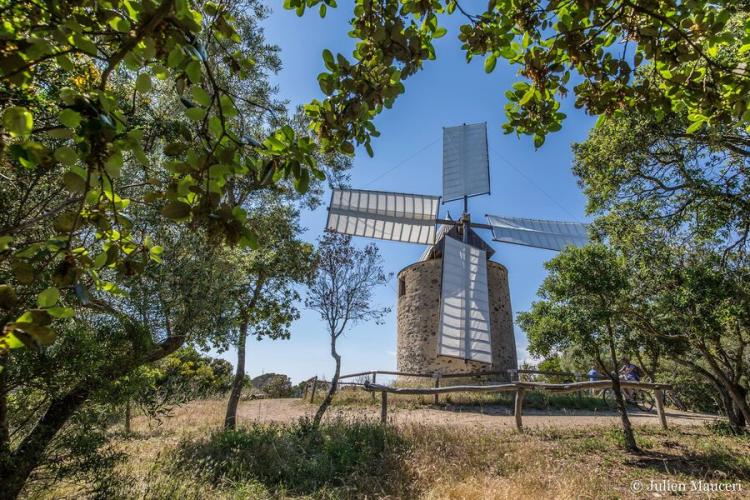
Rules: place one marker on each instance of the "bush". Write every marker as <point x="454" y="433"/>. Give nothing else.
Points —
<point x="296" y="458"/>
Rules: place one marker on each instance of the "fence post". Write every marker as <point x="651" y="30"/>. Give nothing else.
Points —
<point x="518" y="408"/>
<point x="437" y="385"/>
<point x="304" y="393"/>
<point x="374" y="378"/>
<point x="383" y="407"/>
<point x="315" y="387"/>
<point x="578" y="379"/>
<point x="659" y="396"/>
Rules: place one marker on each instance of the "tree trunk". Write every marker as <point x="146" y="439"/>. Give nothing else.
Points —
<point x="230" y="421"/>
<point x="127" y="417"/>
<point x="334" y="385"/>
<point x="627" y="428"/>
<point x="27" y="456"/>
<point x="737" y="392"/>
<point x="4" y="431"/>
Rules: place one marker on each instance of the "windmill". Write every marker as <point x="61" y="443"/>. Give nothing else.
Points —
<point x="463" y="327"/>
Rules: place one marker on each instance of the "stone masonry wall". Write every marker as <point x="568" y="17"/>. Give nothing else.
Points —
<point x="419" y="315"/>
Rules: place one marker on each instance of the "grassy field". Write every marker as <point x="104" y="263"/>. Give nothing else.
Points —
<point x="189" y="457"/>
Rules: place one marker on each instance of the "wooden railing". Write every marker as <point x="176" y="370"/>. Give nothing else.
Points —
<point x="520" y="389"/>
<point x="512" y="374"/>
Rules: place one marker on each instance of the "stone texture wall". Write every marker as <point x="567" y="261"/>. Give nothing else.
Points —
<point x="419" y="315"/>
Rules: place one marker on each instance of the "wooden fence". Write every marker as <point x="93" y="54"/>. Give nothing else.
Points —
<point x="520" y="389"/>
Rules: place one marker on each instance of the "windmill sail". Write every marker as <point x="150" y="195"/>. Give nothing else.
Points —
<point x="552" y="235"/>
<point x="388" y="216"/>
<point x="466" y="165"/>
<point x="464" y="329"/>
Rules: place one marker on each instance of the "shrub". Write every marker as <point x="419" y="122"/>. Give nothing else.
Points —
<point x="296" y="458"/>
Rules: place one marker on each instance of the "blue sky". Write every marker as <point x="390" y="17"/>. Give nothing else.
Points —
<point x="448" y="91"/>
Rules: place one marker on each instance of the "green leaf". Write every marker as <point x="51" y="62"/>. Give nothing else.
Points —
<point x="120" y="24"/>
<point x="200" y="96"/>
<point x="48" y="297"/>
<point x="143" y="82"/>
<point x="74" y="182"/>
<point x="249" y="239"/>
<point x="154" y="254"/>
<point x="66" y="155"/>
<point x="11" y="341"/>
<point x="113" y="164"/>
<point x="61" y="312"/>
<point x="694" y="126"/>
<point x="302" y="183"/>
<point x="193" y="71"/>
<point x="489" y="63"/>
<point x="18" y="121"/>
<point x="69" y="118"/>
<point x="328" y="60"/>
<point x="176" y="210"/>
<point x="195" y="114"/>
<point x="538" y="140"/>
<point x="5" y="242"/>
<point x="527" y="96"/>
<point x="85" y="44"/>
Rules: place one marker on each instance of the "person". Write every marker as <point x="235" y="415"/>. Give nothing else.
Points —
<point x="594" y="374"/>
<point x="630" y="373"/>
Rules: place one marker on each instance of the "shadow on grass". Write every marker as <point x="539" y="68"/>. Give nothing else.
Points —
<point x="346" y="458"/>
<point x="712" y="464"/>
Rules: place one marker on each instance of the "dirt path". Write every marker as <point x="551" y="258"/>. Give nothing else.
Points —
<point x="497" y="417"/>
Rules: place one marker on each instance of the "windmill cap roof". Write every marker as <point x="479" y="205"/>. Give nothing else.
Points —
<point x="454" y="230"/>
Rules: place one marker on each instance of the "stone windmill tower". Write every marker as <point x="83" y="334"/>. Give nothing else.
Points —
<point x="454" y="311"/>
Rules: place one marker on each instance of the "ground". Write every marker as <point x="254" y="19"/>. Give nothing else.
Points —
<point x="451" y="452"/>
<point x="488" y="417"/>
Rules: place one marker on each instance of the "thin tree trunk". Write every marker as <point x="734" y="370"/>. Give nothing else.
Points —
<point x="627" y="428"/>
<point x="4" y="431"/>
<point x="127" y="417"/>
<point x="230" y="421"/>
<point x="334" y="385"/>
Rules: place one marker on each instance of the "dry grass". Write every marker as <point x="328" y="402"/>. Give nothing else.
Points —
<point x="418" y="461"/>
<point x="354" y="397"/>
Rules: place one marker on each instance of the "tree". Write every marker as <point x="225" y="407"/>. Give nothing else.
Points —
<point x="109" y="339"/>
<point x="98" y="161"/>
<point x="582" y="301"/>
<point x="266" y="300"/>
<point x="275" y="385"/>
<point x="638" y="172"/>
<point x="694" y="303"/>
<point x="342" y="294"/>
<point x="156" y="389"/>
<point x="696" y="53"/>
<point x="80" y="149"/>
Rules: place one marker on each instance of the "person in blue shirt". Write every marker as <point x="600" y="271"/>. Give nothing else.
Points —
<point x="631" y="373"/>
<point x="594" y="374"/>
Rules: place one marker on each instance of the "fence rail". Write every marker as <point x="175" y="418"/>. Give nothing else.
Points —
<point x="520" y="389"/>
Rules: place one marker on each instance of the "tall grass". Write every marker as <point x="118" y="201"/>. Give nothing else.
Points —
<point x="342" y="456"/>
